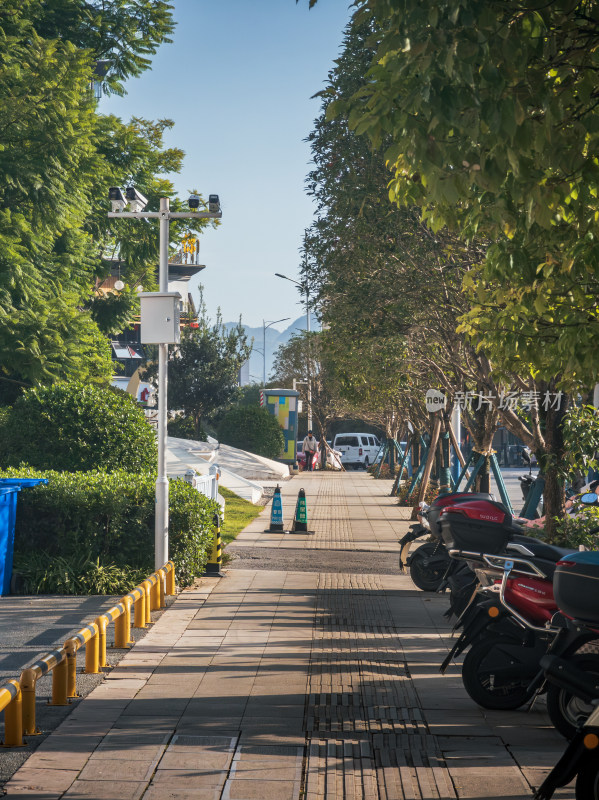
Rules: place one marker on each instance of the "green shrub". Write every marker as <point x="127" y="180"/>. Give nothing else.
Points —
<point x="254" y="429"/>
<point x="183" y="428"/>
<point x="402" y="495"/>
<point x="108" y="518"/>
<point x="573" y="531"/>
<point x="41" y="573"/>
<point x="74" y="426"/>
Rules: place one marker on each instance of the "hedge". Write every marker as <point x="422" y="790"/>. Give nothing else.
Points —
<point x="108" y="517"/>
<point x="253" y="429"/>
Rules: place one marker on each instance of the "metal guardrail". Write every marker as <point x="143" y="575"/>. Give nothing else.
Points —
<point x="17" y="698"/>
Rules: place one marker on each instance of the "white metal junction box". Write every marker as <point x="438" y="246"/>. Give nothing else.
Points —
<point x="160" y="317"/>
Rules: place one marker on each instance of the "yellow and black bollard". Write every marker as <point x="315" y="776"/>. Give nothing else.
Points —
<point x="215" y="561"/>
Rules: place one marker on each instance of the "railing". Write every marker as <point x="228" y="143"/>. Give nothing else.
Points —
<point x="17" y="698"/>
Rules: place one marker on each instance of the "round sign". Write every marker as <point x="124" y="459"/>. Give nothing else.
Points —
<point x="435" y="400"/>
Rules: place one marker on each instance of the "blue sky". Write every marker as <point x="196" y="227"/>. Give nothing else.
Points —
<point x="237" y="81"/>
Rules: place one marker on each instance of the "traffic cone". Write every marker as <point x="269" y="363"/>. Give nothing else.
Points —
<point x="276" y="513"/>
<point x="300" y="520"/>
<point x="215" y="561"/>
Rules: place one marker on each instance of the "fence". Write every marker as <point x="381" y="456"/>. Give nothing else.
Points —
<point x="17" y="698"/>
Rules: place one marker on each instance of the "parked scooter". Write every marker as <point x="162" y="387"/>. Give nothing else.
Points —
<point x="430" y="567"/>
<point x="508" y="631"/>
<point x="575" y="592"/>
<point x="429" y="563"/>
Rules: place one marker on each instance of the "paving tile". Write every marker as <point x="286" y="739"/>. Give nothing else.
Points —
<point x="48" y="780"/>
<point x="136" y="768"/>
<point x="240" y="789"/>
<point x="183" y="778"/>
<point x="161" y="792"/>
<point x="105" y="790"/>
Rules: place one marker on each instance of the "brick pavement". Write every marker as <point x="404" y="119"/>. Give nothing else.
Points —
<point x="290" y="685"/>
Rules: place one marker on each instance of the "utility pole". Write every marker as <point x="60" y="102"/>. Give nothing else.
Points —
<point x="138" y="202"/>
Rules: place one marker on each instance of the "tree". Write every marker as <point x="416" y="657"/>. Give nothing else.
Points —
<point x="58" y="156"/>
<point x="74" y="427"/>
<point x="487" y="114"/>
<point x="203" y="370"/>
<point x="389" y="289"/>
<point x="122" y="32"/>
<point x="492" y="113"/>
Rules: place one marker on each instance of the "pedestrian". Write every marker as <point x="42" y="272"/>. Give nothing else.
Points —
<point x="310" y="448"/>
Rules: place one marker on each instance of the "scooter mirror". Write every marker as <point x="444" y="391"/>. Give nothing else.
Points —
<point x="589" y="499"/>
<point x="526" y="456"/>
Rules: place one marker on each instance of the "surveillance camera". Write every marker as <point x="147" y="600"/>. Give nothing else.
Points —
<point x="136" y="199"/>
<point x="117" y="199"/>
<point x="213" y="203"/>
<point x="194" y="201"/>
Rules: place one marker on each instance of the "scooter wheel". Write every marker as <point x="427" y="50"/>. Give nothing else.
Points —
<point x="424" y="577"/>
<point x="587" y="782"/>
<point x="488" y="688"/>
<point x="566" y="711"/>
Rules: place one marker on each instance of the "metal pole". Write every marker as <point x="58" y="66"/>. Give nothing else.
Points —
<point x="456" y="424"/>
<point x="308" y="350"/>
<point x="161" y="524"/>
<point x="263" y="353"/>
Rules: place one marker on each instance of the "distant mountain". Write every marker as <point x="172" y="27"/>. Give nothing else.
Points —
<point x="274" y="339"/>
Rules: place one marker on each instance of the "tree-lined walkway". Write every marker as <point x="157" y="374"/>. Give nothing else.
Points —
<point x="294" y="685"/>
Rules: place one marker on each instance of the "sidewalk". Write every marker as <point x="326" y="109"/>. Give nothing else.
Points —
<point x="281" y="685"/>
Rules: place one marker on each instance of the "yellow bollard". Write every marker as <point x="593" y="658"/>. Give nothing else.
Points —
<point x="170" y="579"/>
<point x="146" y="587"/>
<point x="155" y="598"/>
<point x="60" y="682"/>
<point x="161" y="580"/>
<point x="139" y="609"/>
<point x="128" y="603"/>
<point x="215" y="560"/>
<point x="28" y="682"/>
<point x="122" y="625"/>
<point x="13" y="720"/>
<point x="92" y="653"/>
<point x="102" y="623"/>
<point x="70" y="648"/>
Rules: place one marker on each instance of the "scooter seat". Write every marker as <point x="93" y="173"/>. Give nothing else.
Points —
<point x="549" y="552"/>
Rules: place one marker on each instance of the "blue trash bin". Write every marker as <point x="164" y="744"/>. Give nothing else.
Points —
<point x="8" y="514"/>
<point x="9" y="490"/>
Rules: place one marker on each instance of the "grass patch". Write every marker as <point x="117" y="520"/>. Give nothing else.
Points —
<point x="238" y="514"/>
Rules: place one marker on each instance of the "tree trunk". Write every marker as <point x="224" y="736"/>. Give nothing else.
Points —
<point x="482" y="424"/>
<point x="550" y="461"/>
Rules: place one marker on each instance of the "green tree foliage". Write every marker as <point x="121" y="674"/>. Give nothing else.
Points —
<point x="73" y="426"/>
<point x="253" y="429"/>
<point x="203" y="370"/>
<point x="123" y="32"/>
<point x="389" y="289"/>
<point x="492" y="116"/>
<point x="58" y="156"/>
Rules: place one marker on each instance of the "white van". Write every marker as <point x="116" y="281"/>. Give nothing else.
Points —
<point x="357" y="449"/>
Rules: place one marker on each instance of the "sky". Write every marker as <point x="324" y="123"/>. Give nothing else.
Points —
<point x="238" y="81"/>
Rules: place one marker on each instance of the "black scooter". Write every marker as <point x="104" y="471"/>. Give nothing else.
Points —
<point x="430" y="562"/>
<point x="574" y="589"/>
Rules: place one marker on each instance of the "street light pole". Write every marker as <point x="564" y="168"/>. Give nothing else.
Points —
<point x="304" y="287"/>
<point x="161" y="549"/>
<point x="264" y="327"/>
